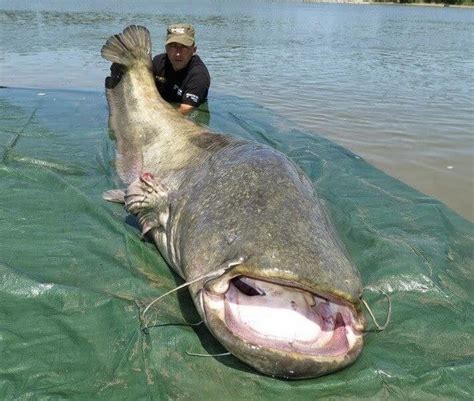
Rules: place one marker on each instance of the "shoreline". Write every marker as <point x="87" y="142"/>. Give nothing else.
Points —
<point x="391" y="3"/>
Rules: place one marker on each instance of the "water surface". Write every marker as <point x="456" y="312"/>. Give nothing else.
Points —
<point x="392" y="83"/>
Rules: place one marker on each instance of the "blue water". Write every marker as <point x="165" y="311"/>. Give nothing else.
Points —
<point x="392" y="83"/>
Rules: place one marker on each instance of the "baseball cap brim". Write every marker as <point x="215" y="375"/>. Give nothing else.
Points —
<point x="185" y="40"/>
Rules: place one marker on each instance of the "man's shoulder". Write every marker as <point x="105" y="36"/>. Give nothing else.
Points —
<point x="159" y="62"/>
<point x="159" y="57"/>
<point x="197" y="67"/>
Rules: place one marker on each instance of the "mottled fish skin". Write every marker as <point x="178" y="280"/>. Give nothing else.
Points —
<point x="209" y="200"/>
<point x="150" y="134"/>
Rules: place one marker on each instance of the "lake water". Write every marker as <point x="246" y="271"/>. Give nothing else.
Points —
<point x="394" y="84"/>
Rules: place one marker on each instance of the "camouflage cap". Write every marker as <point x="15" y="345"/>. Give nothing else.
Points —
<point x="180" y="33"/>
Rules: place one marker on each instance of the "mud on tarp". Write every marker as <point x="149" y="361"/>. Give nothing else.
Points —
<point x="74" y="273"/>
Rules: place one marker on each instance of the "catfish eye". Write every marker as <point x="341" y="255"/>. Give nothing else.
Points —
<point x="247" y="286"/>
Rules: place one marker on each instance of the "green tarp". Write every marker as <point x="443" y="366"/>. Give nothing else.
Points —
<point x="74" y="273"/>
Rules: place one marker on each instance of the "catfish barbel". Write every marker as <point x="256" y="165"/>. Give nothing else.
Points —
<point x="277" y="289"/>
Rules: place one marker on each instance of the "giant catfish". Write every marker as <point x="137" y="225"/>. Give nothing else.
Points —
<point x="238" y="221"/>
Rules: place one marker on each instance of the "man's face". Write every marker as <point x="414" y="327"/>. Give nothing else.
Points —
<point x="179" y="55"/>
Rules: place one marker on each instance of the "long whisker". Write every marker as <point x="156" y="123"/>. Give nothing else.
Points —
<point x="208" y="355"/>
<point x="389" y="313"/>
<point x="207" y="276"/>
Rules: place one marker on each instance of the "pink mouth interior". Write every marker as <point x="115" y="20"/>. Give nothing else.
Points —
<point x="289" y="319"/>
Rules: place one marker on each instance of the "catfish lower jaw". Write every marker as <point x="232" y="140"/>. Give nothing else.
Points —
<point x="283" y="330"/>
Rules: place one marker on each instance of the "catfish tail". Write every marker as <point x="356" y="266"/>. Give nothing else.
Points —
<point x="129" y="47"/>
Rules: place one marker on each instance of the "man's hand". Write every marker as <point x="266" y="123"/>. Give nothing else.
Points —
<point x="117" y="70"/>
<point x="185" y="108"/>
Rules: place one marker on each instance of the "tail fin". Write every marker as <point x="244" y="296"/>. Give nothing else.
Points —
<point x="127" y="47"/>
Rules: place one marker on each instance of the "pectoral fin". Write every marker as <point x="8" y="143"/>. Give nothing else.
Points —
<point x="147" y="198"/>
<point x="114" y="195"/>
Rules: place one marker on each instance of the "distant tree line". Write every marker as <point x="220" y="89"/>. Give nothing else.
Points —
<point x="448" y="2"/>
<point x="469" y="3"/>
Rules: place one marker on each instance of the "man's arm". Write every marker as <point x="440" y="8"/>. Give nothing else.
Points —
<point x="195" y="90"/>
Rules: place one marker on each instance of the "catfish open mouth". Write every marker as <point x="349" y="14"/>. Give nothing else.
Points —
<point x="290" y="321"/>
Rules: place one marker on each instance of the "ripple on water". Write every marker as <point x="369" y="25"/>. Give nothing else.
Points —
<point x="393" y="84"/>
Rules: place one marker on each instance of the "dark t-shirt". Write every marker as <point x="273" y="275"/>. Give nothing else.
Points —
<point x="189" y="85"/>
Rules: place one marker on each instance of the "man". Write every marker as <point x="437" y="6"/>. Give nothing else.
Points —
<point x="180" y="75"/>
